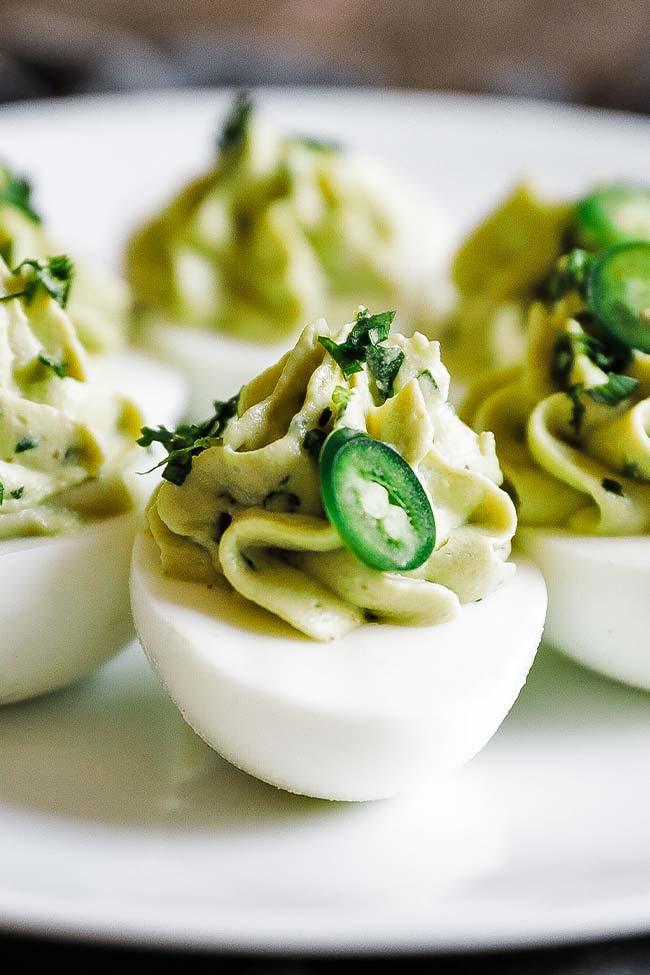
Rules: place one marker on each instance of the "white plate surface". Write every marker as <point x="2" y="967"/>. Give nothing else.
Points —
<point x="116" y="822"/>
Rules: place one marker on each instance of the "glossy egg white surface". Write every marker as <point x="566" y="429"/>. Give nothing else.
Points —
<point x="598" y="599"/>
<point x="64" y="608"/>
<point x="160" y="391"/>
<point x="367" y="716"/>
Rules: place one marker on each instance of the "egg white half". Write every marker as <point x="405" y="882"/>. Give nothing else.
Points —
<point x="65" y="605"/>
<point x="598" y="599"/>
<point x="363" y="717"/>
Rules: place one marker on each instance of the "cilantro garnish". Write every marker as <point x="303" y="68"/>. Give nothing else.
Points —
<point x="608" y="354"/>
<point x="55" y="365"/>
<point x="616" y="389"/>
<point x="54" y="275"/>
<point x="236" y="124"/>
<point x="570" y="274"/>
<point x="578" y="407"/>
<point x="340" y="399"/>
<point x="614" y="487"/>
<point x="313" y="442"/>
<point x="363" y="345"/>
<point x="427" y="374"/>
<point x="188" y="440"/>
<point x="27" y="443"/>
<point x="17" y="493"/>
<point x="17" y="192"/>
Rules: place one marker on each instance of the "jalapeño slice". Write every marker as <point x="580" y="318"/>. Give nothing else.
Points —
<point x="614" y="214"/>
<point x="618" y="292"/>
<point x="376" y="502"/>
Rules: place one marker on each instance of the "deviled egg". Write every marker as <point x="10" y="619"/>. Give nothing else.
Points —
<point x="324" y="585"/>
<point x="280" y="230"/>
<point x="506" y="263"/>
<point x="69" y="493"/>
<point x="98" y="305"/>
<point x="573" y="429"/>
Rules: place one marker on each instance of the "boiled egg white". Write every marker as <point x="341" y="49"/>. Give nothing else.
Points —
<point x="64" y="607"/>
<point x="363" y="717"/>
<point x="598" y="599"/>
<point x="160" y="391"/>
<point x="65" y="598"/>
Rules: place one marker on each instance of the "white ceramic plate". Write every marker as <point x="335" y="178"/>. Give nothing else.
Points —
<point x="116" y="822"/>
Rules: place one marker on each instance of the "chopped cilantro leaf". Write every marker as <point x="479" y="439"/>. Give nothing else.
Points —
<point x="570" y="274"/>
<point x="313" y="442"/>
<point x="609" y="355"/>
<point x="54" y="275"/>
<point x="340" y="399"/>
<point x="17" y="192"/>
<point x="17" y="493"/>
<point x="362" y="345"/>
<point x="578" y="407"/>
<point x="55" y="365"/>
<point x="427" y="374"/>
<point x="615" y="487"/>
<point x="616" y="389"/>
<point x="26" y="443"/>
<point x="188" y="440"/>
<point x="384" y="363"/>
<point x="236" y="124"/>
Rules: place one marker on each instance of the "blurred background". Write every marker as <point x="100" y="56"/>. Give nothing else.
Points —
<point x="588" y="51"/>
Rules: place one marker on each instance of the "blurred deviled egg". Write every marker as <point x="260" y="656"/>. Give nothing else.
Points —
<point x="98" y="305"/>
<point x="324" y="585"/>
<point x="509" y="260"/>
<point x="281" y="229"/>
<point x="70" y="499"/>
<point x="572" y="425"/>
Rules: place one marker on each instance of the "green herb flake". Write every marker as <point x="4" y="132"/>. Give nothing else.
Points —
<point x="53" y="275"/>
<point x="384" y="362"/>
<point x="27" y="443"/>
<point x="570" y="274"/>
<point x="188" y="440"/>
<point x="578" y="407"/>
<point x="428" y="375"/>
<point x="362" y="345"/>
<point x="614" y="391"/>
<point x="313" y="443"/>
<point x="2" y="492"/>
<point x="614" y="487"/>
<point x="17" y="192"/>
<point x="236" y="124"/>
<point x="17" y="493"/>
<point x="608" y="354"/>
<point x="57" y="367"/>
<point x="340" y="399"/>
